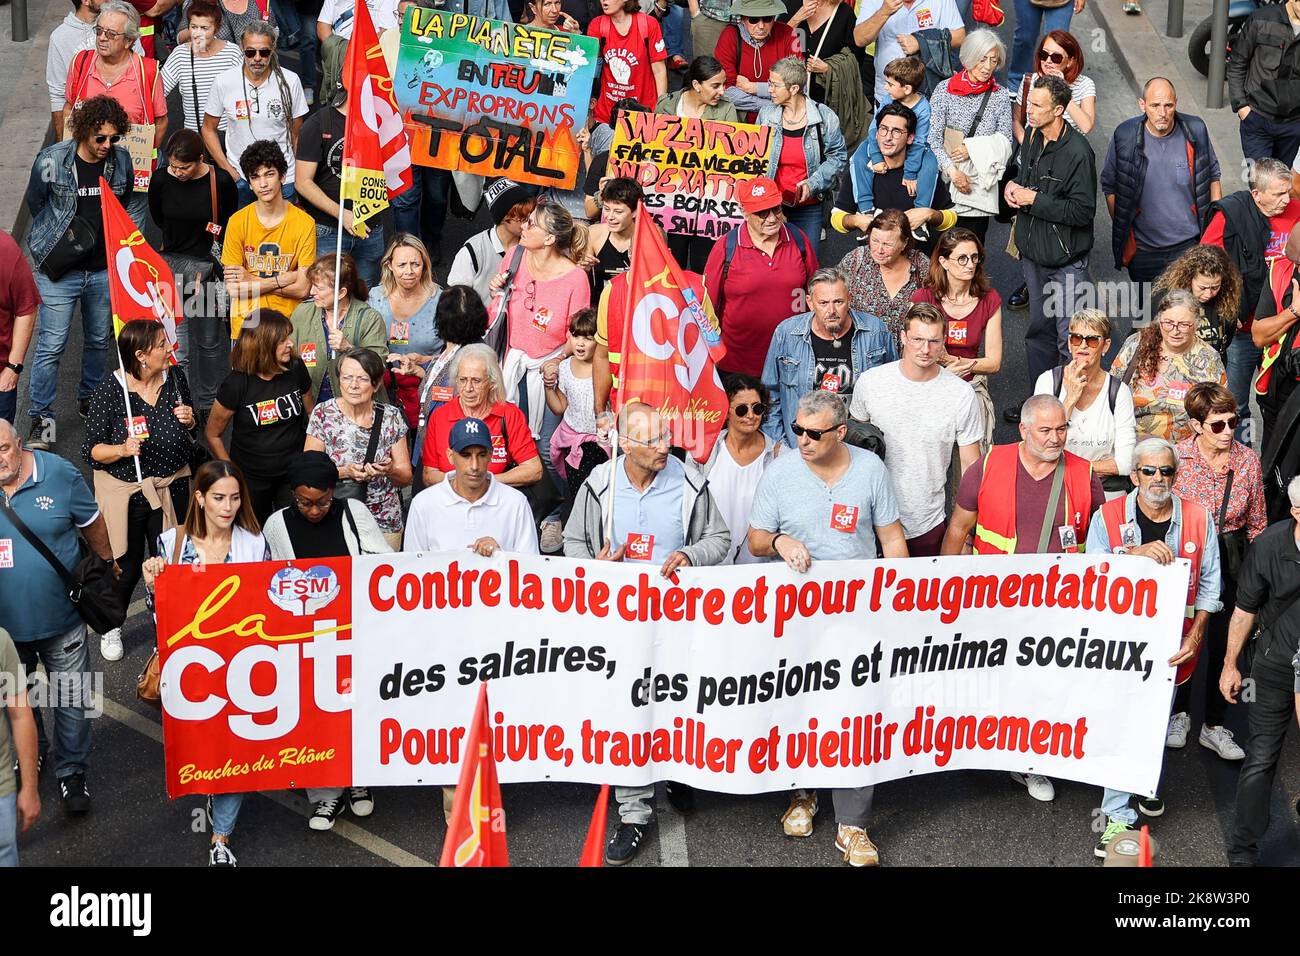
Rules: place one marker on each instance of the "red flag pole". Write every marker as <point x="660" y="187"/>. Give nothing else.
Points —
<point x="593" y="850"/>
<point x="347" y="129"/>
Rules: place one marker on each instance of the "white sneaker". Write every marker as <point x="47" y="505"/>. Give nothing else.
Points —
<point x="310" y="96"/>
<point x="110" y="645"/>
<point x="1040" y="788"/>
<point x="1176" y="736"/>
<point x="1219" y="739"/>
<point x="551" y="540"/>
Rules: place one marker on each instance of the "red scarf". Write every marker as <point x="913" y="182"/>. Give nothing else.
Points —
<point x="960" y="84"/>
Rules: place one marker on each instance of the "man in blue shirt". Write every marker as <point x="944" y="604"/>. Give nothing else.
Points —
<point x="830" y="502"/>
<point x="52" y="499"/>
<point x="663" y="515"/>
<point x="826" y="348"/>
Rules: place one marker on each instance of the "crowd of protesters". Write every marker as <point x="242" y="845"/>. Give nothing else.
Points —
<point x="330" y="398"/>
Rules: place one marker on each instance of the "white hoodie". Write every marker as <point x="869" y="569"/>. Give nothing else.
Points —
<point x="68" y="37"/>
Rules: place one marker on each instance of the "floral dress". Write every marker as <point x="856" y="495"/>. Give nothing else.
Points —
<point x="1158" y="402"/>
<point x="346" y="443"/>
<point x="867" y="292"/>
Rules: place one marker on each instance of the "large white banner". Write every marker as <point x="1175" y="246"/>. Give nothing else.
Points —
<point x="741" y="680"/>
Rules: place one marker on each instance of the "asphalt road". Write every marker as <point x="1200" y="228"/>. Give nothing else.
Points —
<point x="946" y="819"/>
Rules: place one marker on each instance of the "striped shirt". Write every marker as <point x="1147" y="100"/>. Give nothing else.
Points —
<point x="189" y="73"/>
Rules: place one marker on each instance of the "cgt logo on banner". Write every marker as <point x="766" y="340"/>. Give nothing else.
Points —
<point x="740" y="680"/>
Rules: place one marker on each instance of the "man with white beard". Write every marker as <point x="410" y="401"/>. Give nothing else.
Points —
<point x="1154" y="522"/>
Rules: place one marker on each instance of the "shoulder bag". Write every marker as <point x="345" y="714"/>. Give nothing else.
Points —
<point x="148" y="685"/>
<point x="351" y="488"/>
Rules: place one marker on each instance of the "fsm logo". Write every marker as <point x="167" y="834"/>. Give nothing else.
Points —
<point x="303" y="592"/>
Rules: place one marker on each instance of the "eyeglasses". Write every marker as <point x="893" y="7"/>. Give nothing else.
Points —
<point x="759" y="19"/>
<point x="471" y="382"/>
<point x="1078" y="338"/>
<point x="1057" y="58"/>
<point x="972" y="259"/>
<point x="768" y="213"/>
<point x="815" y="434"/>
<point x="320" y="504"/>
<point x="101" y="139"/>
<point x="743" y="411"/>
<point x="1166" y="471"/>
<point x="1176" y="326"/>
<point x="1221" y="424"/>
<point x="666" y="439"/>
<point x="354" y="379"/>
<point x="530" y="295"/>
<point x="253" y="53"/>
<point x="891" y="131"/>
<point x="108" y="34"/>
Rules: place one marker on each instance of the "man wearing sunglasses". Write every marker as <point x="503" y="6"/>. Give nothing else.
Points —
<point x="1152" y="522"/>
<point x="748" y="49"/>
<point x="663" y="516"/>
<point x="1033" y="497"/>
<point x="66" y="241"/>
<point x="827" y="348"/>
<point x="831" y="502"/>
<point x="1159" y="179"/>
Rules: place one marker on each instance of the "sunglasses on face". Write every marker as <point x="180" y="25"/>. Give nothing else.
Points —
<point x="1166" y="471"/>
<point x="768" y="213"/>
<point x="760" y="19"/>
<point x="255" y="53"/>
<point x="813" y="433"/>
<point x="758" y="408"/>
<point x="108" y="34"/>
<point x="1077" y="339"/>
<point x="101" y="139"/>
<point x="1057" y="58"/>
<point x="1218" y="427"/>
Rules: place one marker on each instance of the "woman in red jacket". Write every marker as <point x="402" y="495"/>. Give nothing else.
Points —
<point x="749" y="47"/>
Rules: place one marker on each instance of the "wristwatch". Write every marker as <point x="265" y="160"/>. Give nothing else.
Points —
<point x="17" y="367"/>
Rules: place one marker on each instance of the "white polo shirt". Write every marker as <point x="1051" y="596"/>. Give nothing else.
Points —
<point x="338" y="14"/>
<point x="441" y="520"/>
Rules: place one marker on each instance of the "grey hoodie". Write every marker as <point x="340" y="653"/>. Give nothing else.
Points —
<point x="707" y="539"/>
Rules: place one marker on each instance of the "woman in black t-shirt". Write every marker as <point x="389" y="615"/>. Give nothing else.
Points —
<point x="268" y="398"/>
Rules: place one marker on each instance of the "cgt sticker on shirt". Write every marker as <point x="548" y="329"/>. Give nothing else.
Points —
<point x="6" y="552"/>
<point x="830" y="383"/>
<point x="139" y="427"/>
<point x="844" y="518"/>
<point x="500" y="454"/>
<point x="639" y="547"/>
<point x="400" y="333"/>
<point x="308" y="355"/>
<point x="542" y="319"/>
<point x="1176" y="393"/>
<point x="957" y="332"/>
<point x="241" y="109"/>
<point x="267" y="412"/>
<point x="924" y="18"/>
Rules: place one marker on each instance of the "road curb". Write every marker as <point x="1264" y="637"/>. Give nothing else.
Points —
<point x="26" y="125"/>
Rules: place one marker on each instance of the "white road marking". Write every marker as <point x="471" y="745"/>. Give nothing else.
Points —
<point x="345" y="828"/>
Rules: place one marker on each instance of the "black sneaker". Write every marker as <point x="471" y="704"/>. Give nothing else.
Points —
<point x="42" y="434"/>
<point x="326" y="812"/>
<point x="1151" y="806"/>
<point x="220" y="854"/>
<point x="76" y="798"/>
<point x="627" y="839"/>
<point x="681" y="796"/>
<point x="1019" y="299"/>
<point x="83" y="408"/>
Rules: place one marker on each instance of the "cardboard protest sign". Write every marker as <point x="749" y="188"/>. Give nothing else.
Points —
<point x="493" y="98"/>
<point x="689" y="168"/>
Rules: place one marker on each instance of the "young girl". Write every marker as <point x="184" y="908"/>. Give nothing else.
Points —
<point x="575" y="450"/>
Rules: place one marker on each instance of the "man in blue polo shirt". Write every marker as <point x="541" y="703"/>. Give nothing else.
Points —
<point x="830" y="502"/>
<point x="665" y="517"/>
<point x="52" y="499"/>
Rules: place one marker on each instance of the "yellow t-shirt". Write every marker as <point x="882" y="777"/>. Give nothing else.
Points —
<point x="286" y="247"/>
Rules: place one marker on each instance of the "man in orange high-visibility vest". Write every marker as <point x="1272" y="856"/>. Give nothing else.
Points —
<point x="1033" y="497"/>
<point x="1154" y="522"/>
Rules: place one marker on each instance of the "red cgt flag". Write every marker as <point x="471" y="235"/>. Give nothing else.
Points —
<point x="671" y="344"/>
<point x="593" y="851"/>
<point x="376" y="153"/>
<point x="476" y="835"/>
<point x="140" y="283"/>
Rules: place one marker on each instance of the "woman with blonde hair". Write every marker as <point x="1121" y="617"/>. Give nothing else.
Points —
<point x="321" y="334"/>
<point x="407" y="301"/>
<point x="1212" y="277"/>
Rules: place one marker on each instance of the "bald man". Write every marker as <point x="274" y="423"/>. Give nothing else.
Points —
<point x="1157" y="217"/>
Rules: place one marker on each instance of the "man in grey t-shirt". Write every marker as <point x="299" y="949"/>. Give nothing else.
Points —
<point x="831" y="502"/>
<point x="19" y="808"/>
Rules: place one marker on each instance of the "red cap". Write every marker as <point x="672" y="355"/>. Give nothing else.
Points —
<point x="756" y="195"/>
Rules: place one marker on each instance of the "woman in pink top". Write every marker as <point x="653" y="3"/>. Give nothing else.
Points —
<point x="548" y="288"/>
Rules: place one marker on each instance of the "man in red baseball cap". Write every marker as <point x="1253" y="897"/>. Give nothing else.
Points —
<point x="756" y="276"/>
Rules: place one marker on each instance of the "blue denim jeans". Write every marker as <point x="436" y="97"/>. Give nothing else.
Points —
<point x="1243" y="360"/>
<point x="9" y="830"/>
<point x="299" y="37"/>
<point x="676" y="26"/>
<point x="54" y="322"/>
<point x="406" y="207"/>
<point x="65" y="659"/>
<point x="246" y="197"/>
<point x="366" y="252"/>
<point x="1054" y="294"/>
<point x="225" y="812"/>
<point x="550" y="422"/>
<point x="809" y="219"/>
<point x="421" y="211"/>
<point x="1032" y="22"/>
<point x="1118" y="805"/>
